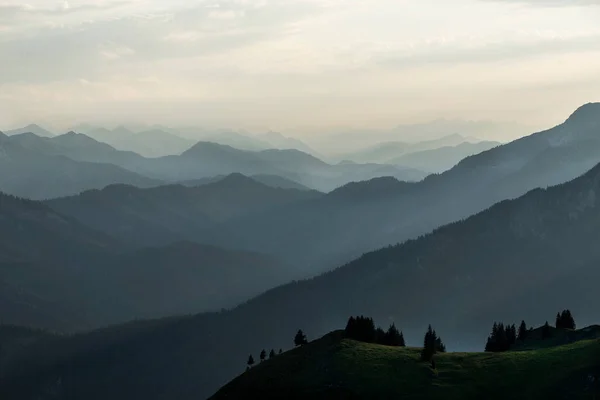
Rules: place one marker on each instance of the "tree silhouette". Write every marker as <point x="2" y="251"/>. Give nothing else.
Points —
<point x="565" y="320"/>
<point x="263" y="355"/>
<point x="280" y="351"/>
<point x="430" y="344"/>
<point x="546" y="333"/>
<point x="300" y="338"/>
<point x="363" y="329"/>
<point x="250" y="361"/>
<point x="271" y="354"/>
<point x="393" y="337"/>
<point x="522" y="331"/>
<point x="502" y="337"/>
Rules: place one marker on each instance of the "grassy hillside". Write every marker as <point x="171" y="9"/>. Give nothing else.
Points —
<point x="334" y="367"/>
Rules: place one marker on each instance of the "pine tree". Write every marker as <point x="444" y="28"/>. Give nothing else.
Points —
<point x="350" y="327"/>
<point x="546" y="333"/>
<point x="402" y="342"/>
<point x="271" y="354"/>
<point x="250" y="361"/>
<point x="440" y="347"/>
<point x="280" y="351"/>
<point x="568" y="322"/>
<point x="381" y="337"/>
<point x="429" y="344"/>
<point x="522" y="332"/>
<point x="393" y="337"/>
<point x="558" y="323"/>
<point x="362" y="328"/>
<point x="512" y="335"/>
<point x="263" y="355"/>
<point x="300" y="338"/>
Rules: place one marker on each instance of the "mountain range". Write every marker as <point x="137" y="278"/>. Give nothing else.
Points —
<point x="61" y="274"/>
<point x="508" y="247"/>
<point x="441" y="159"/>
<point x="39" y="168"/>
<point x="526" y="258"/>
<point x="383" y="152"/>
<point x="166" y="214"/>
<point x="31" y="128"/>
<point x="70" y="163"/>
<point x="322" y="233"/>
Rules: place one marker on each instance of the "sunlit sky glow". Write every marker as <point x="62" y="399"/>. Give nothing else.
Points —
<point x="296" y="64"/>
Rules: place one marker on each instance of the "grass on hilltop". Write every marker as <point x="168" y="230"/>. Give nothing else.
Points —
<point x="334" y="367"/>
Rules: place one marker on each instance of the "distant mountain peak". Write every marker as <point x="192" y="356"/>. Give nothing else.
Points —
<point x="204" y="146"/>
<point x="372" y="187"/>
<point x="31" y="128"/>
<point x="587" y="113"/>
<point x="237" y="179"/>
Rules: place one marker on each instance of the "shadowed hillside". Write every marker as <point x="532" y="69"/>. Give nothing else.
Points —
<point x="333" y="367"/>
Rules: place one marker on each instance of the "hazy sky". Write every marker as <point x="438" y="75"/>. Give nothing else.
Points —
<point x="296" y="63"/>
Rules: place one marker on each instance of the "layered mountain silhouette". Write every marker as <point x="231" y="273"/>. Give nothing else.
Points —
<point x="205" y="160"/>
<point x="60" y="274"/>
<point x="386" y="151"/>
<point x="443" y="158"/>
<point x="165" y="214"/>
<point x="31" y="128"/>
<point x="521" y="258"/>
<point x="39" y="168"/>
<point x="274" y="181"/>
<point x="324" y="232"/>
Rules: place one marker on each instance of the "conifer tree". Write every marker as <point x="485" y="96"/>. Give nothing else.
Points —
<point x="380" y="336"/>
<point x="429" y="344"/>
<point x="250" y="361"/>
<point x="280" y="351"/>
<point x="263" y="355"/>
<point x="393" y="337"/>
<point x="402" y="342"/>
<point x="558" y="323"/>
<point x="300" y="338"/>
<point x="566" y="320"/>
<point x="271" y="354"/>
<point x="522" y="331"/>
<point x="546" y="333"/>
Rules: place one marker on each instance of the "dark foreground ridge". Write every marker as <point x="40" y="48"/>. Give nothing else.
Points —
<point x="335" y="367"/>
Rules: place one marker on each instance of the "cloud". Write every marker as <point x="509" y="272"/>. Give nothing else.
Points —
<point x="451" y="52"/>
<point x="12" y="10"/>
<point x="551" y="3"/>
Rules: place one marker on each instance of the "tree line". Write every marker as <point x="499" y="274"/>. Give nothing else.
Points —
<point x="299" y="340"/>
<point x="363" y="329"/>
<point x="503" y="337"/>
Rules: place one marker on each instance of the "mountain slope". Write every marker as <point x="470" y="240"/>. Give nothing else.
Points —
<point x="443" y="158"/>
<point x="165" y="214"/>
<point x="57" y="273"/>
<point x="324" y="232"/>
<point x="33" y="128"/>
<point x="153" y="143"/>
<point x="334" y="367"/>
<point x="33" y="174"/>
<point x="183" y="278"/>
<point x="391" y="150"/>
<point x="33" y="235"/>
<point x="524" y="258"/>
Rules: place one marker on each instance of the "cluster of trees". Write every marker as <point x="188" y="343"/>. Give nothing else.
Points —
<point x="299" y="340"/>
<point x="263" y="356"/>
<point x="363" y="329"/>
<point x="503" y="337"/>
<point x="431" y="345"/>
<point x="564" y="320"/>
